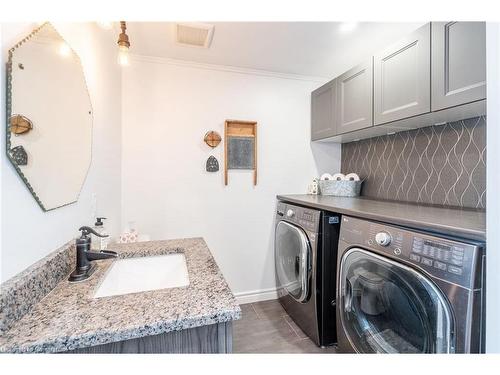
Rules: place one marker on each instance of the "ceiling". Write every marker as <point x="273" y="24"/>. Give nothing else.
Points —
<point x="320" y="49"/>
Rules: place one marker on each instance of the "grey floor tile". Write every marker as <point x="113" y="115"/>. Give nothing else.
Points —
<point x="269" y="309"/>
<point x="248" y="312"/>
<point x="265" y="327"/>
<point x="251" y="334"/>
<point x="296" y="328"/>
<point x="279" y="347"/>
<point x="307" y="346"/>
<point x="298" y="346"/>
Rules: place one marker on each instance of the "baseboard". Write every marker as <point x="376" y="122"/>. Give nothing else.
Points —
<point x="256" y="295"/>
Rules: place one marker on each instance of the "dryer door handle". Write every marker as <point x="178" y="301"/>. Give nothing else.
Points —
<point x="348" y="296"/>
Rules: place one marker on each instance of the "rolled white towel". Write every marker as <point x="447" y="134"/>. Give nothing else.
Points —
<point x="352" y="177"/>
<point x="326" y="176"/>
<point x="338" y="177"/>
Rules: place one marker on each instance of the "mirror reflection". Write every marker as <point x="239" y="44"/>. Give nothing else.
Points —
<point x="49" y="139"/>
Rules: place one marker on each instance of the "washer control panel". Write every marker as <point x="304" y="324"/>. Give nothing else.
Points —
<point x="391" y="240"/>
<point x="383" y="238"/>
<point x="441" y="257"/>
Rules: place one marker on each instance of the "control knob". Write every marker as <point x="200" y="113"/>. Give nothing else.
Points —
<point x="290" y="213"/>
<point x="383" y="238"/>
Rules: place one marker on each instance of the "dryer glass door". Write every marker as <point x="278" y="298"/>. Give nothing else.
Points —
<point x="387" y="307"/>
<point x="292" y="252"/>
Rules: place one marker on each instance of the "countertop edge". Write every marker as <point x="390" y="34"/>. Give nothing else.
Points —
<point x="102" y="338"/>
<point x="435" y="228"/>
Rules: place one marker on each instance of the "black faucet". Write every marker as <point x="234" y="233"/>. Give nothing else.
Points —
<point x="84" y="256"/>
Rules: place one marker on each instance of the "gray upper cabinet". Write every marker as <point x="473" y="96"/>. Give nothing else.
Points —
<point x="355" y="98"/>
<point x="402" y="78"/>
<point x="322" y="111"/>
<point x="458" y="63"/>
<point x="436" y="74"/>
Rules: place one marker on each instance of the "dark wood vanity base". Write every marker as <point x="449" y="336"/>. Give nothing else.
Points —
<point x="211" y="339"/>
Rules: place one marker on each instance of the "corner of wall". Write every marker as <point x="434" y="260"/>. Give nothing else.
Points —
<point x="327" y="157"/>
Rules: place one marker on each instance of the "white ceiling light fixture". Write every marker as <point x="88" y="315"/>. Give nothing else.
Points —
<point x="123" y="45"/>
<point x="195" y="34"/>
<point x="347" y="27"/>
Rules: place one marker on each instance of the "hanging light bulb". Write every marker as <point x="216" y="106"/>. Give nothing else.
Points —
<point x="123" y="56"/>
<point x="123" y="45"/>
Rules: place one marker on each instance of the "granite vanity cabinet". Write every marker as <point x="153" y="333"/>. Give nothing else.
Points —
<point x="196" y="318"/>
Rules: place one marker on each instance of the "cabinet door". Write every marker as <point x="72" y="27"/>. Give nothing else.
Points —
<point x="322" y="111"/>
<point x="355" y="98"/>
<point x="458" y="63"/>
<point x="402" y="78"/>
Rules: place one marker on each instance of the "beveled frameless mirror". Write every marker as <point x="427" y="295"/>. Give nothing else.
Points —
<point x="49" y="118"/>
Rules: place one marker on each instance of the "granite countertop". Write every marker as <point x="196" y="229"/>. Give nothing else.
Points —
<point x="69" y="317"/>
<point x="464" y="223"/>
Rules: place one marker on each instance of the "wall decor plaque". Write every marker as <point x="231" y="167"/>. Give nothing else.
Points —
<point x="20" y="124"/>
<point x="212" y="138"/>
<point x="212" y="164"/>
<point x="19" y="155"/>
<point x="240" y="147"/>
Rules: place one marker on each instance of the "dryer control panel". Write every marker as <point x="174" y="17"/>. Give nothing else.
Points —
<point x="306" y="218"/>
<point x="441" y="257"/>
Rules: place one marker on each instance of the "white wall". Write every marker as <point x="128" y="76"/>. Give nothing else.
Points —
<point x="28" y="233"/>
<point x="492" y="184"/>
<point x="166" y="110"/>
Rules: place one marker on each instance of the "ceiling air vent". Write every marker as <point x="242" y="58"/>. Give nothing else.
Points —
<point x="194" y="34"/>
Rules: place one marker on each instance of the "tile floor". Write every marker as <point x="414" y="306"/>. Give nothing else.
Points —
<point x="265" y="327"/>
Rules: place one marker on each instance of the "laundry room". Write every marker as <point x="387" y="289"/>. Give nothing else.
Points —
<point x="243" y="186"/>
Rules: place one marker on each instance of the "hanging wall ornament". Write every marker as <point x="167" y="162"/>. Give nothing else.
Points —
<point x="19" y="155"/>
<point x="212" y="164"/>
<point x="212" y="139"/>
<point x="20" y="124"/>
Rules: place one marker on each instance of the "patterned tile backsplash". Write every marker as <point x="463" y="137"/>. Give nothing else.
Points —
<point x="443" y="165"/>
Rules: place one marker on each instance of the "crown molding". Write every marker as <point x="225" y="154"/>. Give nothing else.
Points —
<point x="225" y="68"/>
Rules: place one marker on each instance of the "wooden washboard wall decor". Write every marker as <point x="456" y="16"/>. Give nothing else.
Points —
<point x="240" y="147"/>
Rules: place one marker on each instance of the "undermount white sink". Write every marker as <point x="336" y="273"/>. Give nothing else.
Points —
<point x="132" y="275"/>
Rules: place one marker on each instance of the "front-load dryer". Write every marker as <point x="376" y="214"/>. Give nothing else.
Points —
<point x="405" y="291"/>
<point x="305" y="257"/>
